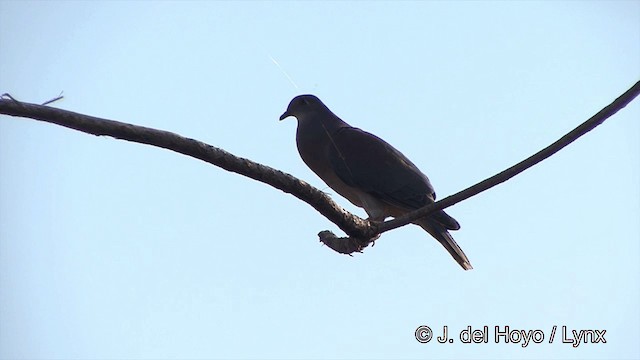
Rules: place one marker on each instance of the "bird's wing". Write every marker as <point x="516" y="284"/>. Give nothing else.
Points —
<point x="366" y="162"/>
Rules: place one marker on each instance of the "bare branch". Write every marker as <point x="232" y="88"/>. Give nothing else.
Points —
<point x="361" y="232"/>
<point x="516" y="169"/>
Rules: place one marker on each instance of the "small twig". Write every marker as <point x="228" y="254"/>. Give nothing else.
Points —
<point x="54" y="99"/>
<point x="8" y="96"/>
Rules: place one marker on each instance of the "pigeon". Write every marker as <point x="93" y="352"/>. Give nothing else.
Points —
<point x="367" y="170"/>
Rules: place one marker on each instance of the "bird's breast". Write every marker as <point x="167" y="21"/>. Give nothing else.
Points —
<point x="313" y="147"/>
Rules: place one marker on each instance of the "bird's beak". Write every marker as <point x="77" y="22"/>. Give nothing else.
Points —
<point x="285" y="115"/>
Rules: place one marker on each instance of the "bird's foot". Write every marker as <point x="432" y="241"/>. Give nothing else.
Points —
<point x="375" y="221"/>
<point x="373" y="240"/>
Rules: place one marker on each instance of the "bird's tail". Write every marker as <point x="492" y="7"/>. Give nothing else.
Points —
<point x="442" y="235"/>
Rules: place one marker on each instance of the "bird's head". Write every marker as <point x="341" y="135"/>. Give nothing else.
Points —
<point x="303" y="106"/>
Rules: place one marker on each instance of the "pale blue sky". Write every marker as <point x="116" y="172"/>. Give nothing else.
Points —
<point x="110" y="249"/>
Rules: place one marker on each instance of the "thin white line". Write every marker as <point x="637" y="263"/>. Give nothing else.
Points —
<point x="284" y="72"/>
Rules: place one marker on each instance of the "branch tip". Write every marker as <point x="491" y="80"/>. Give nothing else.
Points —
<point x="343" y="245"/>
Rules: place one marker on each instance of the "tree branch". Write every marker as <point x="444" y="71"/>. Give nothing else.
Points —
<point x="349" y="223"/>
<point x="516" y="169"/>
<point x="361" y="232"/>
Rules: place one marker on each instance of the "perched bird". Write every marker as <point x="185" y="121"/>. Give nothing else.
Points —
<point x="367" y="171"/>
